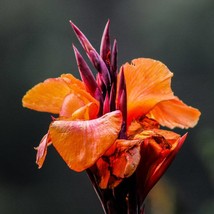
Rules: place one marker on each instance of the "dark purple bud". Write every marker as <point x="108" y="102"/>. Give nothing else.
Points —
<point x="123" y="105"/>
<point x="82" y="38"/>
<point x="99" y="80"/>
<point x="85" y="73"/>
<point x="114" y="58"/>
<point x="94" y="57"/>
<point x="122" y="102"/>
<point x="121" y="83"/>
<point x="112" y="97"/>
<point x="123" y="97"/>
<point x="101" y="67"/>
<point x="105" y="46"/>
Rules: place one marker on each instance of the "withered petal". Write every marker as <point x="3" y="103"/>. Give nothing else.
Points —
<point x="119" y="161"/>
<point x="127" y="158"/>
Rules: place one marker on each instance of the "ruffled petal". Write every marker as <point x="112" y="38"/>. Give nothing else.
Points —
<point x="71" y="80"/>
<point x="63" y="95"/>
<point x="47" y="96"/>
<point x="148" y="82"/>
<point x="174" y="113"/>
<point x="81" y="143"/>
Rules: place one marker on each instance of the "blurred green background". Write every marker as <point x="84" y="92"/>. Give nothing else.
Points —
<point x="35" y="44"/>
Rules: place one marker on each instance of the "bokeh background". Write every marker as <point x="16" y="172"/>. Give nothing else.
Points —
<point x="35" y="44"/>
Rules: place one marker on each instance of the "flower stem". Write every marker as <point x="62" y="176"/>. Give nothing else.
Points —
<point x="121" y="200"/>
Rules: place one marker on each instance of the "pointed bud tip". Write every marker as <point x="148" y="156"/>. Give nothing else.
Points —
<point x="74" y="27"/>
<point x="71" y="23"/>
<point x="108" y="23"/>
<point x="75" y="49"/>
<point x="183" y="138"/>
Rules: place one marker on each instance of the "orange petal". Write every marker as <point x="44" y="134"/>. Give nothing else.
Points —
<point x="47" y="96"/>
<point x="71" y="80"/>
<point x="42" y="150"/>
<point x="77" y="99"/>
<point x="86" y="112"/>
<point x="84" y="95"/>
<point x="174" y="113"/>
<point x="147" y="82"/>
<point x="81" y="143"/>
<point x="71" y="103"/>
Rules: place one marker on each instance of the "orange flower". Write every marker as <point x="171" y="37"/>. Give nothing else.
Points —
<point x="110" y="125"/>
<point x="73" y="133"/>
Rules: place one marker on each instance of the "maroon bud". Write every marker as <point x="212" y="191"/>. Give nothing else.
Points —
<point x="114" y="58"/>
<point x="85" y="73"/>
<point x="105" y="46"/>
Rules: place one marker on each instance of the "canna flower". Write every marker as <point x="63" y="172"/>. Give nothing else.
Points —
<point x="111" y="124"/>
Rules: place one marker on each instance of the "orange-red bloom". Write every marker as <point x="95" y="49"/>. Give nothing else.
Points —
<point x="110" y="124"/>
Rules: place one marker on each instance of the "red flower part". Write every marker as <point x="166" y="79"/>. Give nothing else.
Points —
<point x="155" y="159"/>
<point x="161" y="169"/>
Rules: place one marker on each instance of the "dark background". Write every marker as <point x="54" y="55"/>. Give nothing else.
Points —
<point x="35" y="44"/>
